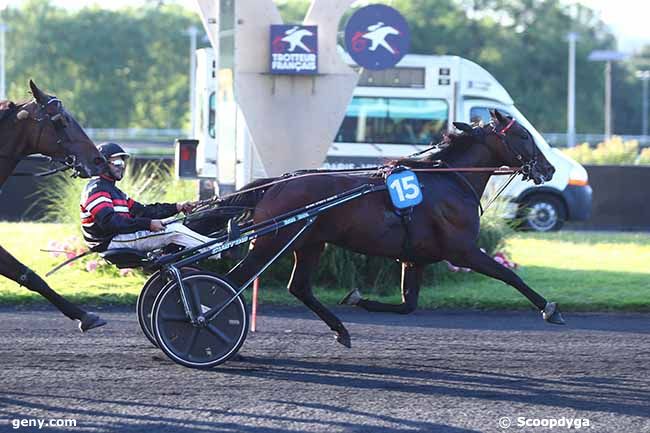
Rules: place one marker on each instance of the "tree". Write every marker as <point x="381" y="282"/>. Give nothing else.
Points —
<point x="129" y="68"/>
<point x="112" y="69"/>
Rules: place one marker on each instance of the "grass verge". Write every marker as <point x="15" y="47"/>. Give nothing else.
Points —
<point x="583" y="271"/>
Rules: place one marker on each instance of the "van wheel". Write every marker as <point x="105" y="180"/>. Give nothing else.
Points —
<point x="542" y="213"/>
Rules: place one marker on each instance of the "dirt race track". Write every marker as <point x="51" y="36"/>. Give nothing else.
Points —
<point x="432" y="371"/>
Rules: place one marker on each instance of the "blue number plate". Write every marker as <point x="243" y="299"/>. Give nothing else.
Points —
<point x="404" y="189"/>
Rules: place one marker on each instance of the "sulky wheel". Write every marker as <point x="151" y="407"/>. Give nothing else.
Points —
<point x="208" y="344"/>
<point x="148" y="296"/>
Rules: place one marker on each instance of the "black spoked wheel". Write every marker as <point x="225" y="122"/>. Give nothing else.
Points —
<point x="208" y="344"/>
<point x="147" y="298"/>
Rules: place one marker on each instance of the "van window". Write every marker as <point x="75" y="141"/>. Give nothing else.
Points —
<point x="212" y="117"/>
<point x="482" y="114"/>
<point x="394" y="121"/>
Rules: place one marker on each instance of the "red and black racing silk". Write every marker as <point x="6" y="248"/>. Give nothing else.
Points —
<point x="106" y="211"/>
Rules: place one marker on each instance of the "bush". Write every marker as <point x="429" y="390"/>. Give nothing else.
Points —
<point x="644" y="157"/>
<point x="338" y="267"/>
<point x="614" y="151"/>
<point x="148" y="183"/>
<point x="341" y="268"/>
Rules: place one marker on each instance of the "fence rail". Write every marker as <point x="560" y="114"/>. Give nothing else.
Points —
<point x="137" y="135"/>
<point x="169" y="135"/>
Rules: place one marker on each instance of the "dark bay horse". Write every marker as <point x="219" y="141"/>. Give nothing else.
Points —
<point x="43" y="126"/>
<point x="445" y="226"/>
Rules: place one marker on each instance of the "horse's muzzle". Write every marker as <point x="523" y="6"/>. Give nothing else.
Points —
<point x="542" y="172"/>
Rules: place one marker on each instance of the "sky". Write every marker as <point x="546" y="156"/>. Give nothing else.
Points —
<point x="628" y="19"/>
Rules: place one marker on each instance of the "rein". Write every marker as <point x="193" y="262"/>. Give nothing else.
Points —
<point x="527" y="166"/>
<point x="68" y="164"/>
<point x="499" y="171"/>
<point x="377" y="169"/>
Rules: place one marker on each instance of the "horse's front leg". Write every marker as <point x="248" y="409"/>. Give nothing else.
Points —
<point x="411" y="281"/>
<point x="305" y="261"/>
<point x="480" y="262"/>
<point x="11" y="268"/>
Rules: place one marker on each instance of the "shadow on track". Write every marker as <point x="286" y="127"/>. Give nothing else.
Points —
<point x="491" y="320"/>
<point x="148" y="423"/>
<point x="582" y="394"/>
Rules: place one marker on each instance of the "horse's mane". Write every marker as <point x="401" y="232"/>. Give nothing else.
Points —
<point x="454" y="145"/>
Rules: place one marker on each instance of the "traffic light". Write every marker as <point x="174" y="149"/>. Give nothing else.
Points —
<point x="186" y="158"/>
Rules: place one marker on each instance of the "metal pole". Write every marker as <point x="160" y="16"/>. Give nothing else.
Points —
<point x="3" y="29"/>
<point x="192" y="32"/>
<point x="571" y="98"/>
<point x="644" y="76"/>
<point x="644" y="121"/>
<point x="608" y="100"/>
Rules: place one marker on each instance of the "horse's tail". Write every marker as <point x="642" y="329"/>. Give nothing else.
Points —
<point x="248" y="199"/>
<point x="239" y="206"/>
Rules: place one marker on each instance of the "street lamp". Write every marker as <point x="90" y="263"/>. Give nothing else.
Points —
<point x="644" y="76"/>
<point x="571" y="91"/>
<point x="192" y="32"/>
<point x="3" y="30"/>
<point x="608" y="57"/>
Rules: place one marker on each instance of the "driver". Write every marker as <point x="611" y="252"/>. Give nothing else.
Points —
<point x="110" y="219"/>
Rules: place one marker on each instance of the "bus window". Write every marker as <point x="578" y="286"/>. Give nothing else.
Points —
<point x="394" y="121"/>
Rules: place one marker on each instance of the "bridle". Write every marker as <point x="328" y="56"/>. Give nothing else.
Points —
<point x="52" y="112"/>
<point x="527" y="166"/>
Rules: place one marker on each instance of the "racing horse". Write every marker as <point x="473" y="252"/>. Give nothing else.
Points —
<point x="445" y="226"/>
<point x="42" y="125"/>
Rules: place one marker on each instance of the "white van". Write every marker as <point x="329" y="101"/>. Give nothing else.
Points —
<point x="400" y="111"/>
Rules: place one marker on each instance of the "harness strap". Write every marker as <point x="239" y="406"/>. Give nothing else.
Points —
<point x="500" y="190"/>
<point x="466" y="183"/>
<point x="42" y="173"/>
<point x="407" y="247"/>
<point x="508" y="126"/>
<point x="287" y="178"/>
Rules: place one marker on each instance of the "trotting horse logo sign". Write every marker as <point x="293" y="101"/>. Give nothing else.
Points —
<point x="294" y="49"/>
<point x="377" y="37"/>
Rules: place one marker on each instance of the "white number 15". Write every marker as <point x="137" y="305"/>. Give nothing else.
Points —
<point x="406" y="188"/>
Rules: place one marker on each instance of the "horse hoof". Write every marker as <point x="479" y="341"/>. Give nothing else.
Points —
<point x="351" y="298"/>
<point x="551" y="313"/>
<point x="344" y="339"/>
<point x="90" y="321"/>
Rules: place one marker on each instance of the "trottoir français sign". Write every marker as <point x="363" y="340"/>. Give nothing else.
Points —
<point x="294" y="49"/>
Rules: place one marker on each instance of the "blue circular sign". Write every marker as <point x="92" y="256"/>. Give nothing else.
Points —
<point x="377" y="37"/>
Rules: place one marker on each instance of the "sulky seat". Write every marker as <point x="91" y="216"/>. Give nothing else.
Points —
<point x="125" y="257"/>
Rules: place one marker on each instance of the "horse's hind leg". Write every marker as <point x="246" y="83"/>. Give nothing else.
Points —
<point x="11" y="268"/>
<point x="484" y="264"/>
<point x="305" y="261"/>
<point x="411" y="281"/>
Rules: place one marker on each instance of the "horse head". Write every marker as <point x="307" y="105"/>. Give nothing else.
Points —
<point x="512" y="144"/>
<point x="51" y="130"/>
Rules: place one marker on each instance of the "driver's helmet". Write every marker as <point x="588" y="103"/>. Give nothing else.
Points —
<point x="110" y="150"/>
